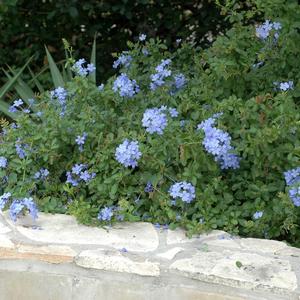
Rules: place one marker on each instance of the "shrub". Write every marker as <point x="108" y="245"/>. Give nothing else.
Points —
<point x="203" y="140"/>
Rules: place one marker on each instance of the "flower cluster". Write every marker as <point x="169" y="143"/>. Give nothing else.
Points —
<point x="123" y="60"/>
<point x="80" y="140"/>
<point x="79" y="173"/>
<point x="179" y="81"/>
<point x="42" y="174"/>
<point x="292" y="179"/>
<point x="106" y="213"/>
<point x="217" y="142"/>
<point x="284" y="86"/>
<point x="183" y="190"/>
<point x="292" y="176"/>
<point x="154" y="120"/>
<point x="20" y="149"/>
<point x="4" y="199"/>
<point x="125" y="86"/>
<point x="80" y="69"/>
<point x="19" y="205"/>
<point x="60" y="94"/>
<point x="17" y="105"/>
<point x="3" y="162"/>
<point x="149" y="187"/>
<point x="162" y="72"/>
<point x="263" y="31"/>
<point x="128" y="153"/>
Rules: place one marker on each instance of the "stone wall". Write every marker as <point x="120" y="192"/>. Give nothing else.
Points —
<point x="56" y="258"/>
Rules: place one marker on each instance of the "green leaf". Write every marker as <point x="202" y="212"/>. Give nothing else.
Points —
<point x="93" y="61"/>
<point x="36" y="82"/>
<point x="8" y="85"/>
<point x="55" y="73"/>
<point x="238" y="264"/>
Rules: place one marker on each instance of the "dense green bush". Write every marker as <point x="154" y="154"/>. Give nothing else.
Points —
<point x="225" y="121"/>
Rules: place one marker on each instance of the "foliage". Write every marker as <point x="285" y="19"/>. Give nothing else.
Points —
<point x="132" y="150"/>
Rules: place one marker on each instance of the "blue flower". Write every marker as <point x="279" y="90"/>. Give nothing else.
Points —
<point x="20" y="149"/>
<point x="183" y="190"/>
<point x="173" y="112"/>
<point x="257" y="215"/>
<point x="128" y="153"/>
<point x="3" y="162"/>
<point x="154" y="120"/>
<point x="142" y="37"/>
<point x="105" y="214"/>
<point x="285" y="86"/>
<point x="18" y="205"/>
<point x="292" y="176"/>
<point x="60" y="95"/>
<point x="86" y="176"/>
<point x="71" y="180"/>
<point x="149" y="187"/>
<point x="18" y="103"/>
<point x="80" y="69"/>
<point x="125" y="86"/>
<point x="101" y="87"/>
<point x="41" y="174"/>
<point x="294" y="194"/>
<point x="78" y="174"/>
<point x="180" y="81"/>
<point x="162" y="72"/>
<point x="217" y="143"/>
<point x="263" y="31"/>
<point x="78" y="168"/>
<point x="80" y="140"/>
<point x="4" y="199"/>
<point x="123" y="60"/>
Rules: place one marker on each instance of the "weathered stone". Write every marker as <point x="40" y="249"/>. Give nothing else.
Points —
<point x="116" y="262"/>
<point x="239" y="269"/>
<point x="289" y="251"/>
<point x="260" y="245"/>
<point x="178" y="236"/>
<point x="170" y="254"/>
<point x="50" y="254"/>
<point x="64" y="229"/>
<point x="5" y="242"/>
<point x="3" y="228"/>
<point x="224" y="243"/>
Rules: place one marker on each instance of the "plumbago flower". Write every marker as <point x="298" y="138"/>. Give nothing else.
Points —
<point x="17" y="104"/>
<point x="80" y="140"/>
<point x="284" y="86"/>
<point x="60" y="95"/>
<point x="257" y="215"/>
<point x="263" y="31"/>
<point x="179" y="83"/>
<point x="183" y="190"/>
<point x="162" y="72"/>
<point x="20" y="148"/>
<point x="128" y="153"/>
<point x="80" y="69"/>
<point x="42" y="174"/>
<point x="292" y="179"/>
<point x="79" y="173"/>
<point x="123" y="60"/>
<point x="106" y="213"/>
<point x="18" y="205"/>
<point x="125" y="86"/>
<point x="3" y="162"/>
<point x="217" y="143"/>
<point x="4" y="199"/>
<point x="154" y="120"/>
<point x="142" y="37"/>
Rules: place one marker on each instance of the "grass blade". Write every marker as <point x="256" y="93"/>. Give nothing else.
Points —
<point x="55" y="73"/>
<point x="93" y="61"/>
